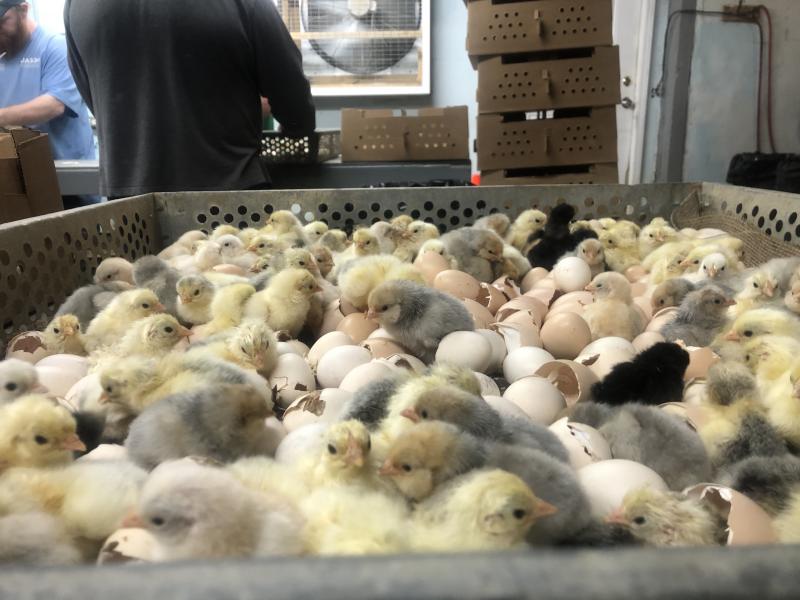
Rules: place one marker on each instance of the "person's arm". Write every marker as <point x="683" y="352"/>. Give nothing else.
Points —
<point x="76" y="65"/>
<point x="279" y="67"/>
<point x="34" y="112"/>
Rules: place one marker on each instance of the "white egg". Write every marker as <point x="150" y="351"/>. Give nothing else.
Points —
<point x="291" y="378"/>
<point x="322" y="406"/>
<point x="572" y="274"/>
<point x="58" y="380"/>
<point x="292" y="347"/>
<point x="338" y="362"/>
<point x="488" y="385"/>
<point x="524" y="362"/>
<point x="327" y="342"/>
<point x="86" y="394"/>
<point x="366" y="373"/>
<point x="106" y="452"/>
<point x="499" y="350"/>
<point x="606" y="483"/>
<point x="466" y="349"/>
<point x="302" y="443"/>
<point x="76" y="364"/>
<point x="537" y="398"/>
<point x="276" y="431"/>
<point x="381" y="334"/>
<point x="609" y="343"/>
<point x="584" y="444"/>
<point x="504" y="407"/>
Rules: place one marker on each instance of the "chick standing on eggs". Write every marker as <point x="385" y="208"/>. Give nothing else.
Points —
<point x="17" y="378"/>
<point x="477" y="251"/>
<point x="592" y="253"/>
<point x="670" y="293"/>
<point x="200" y="512"/>
<point x="364" y="244"/>
<point x="525" y="225"/>
<point x="621" y="252"/>
<point x="222" y="422"/>
<point x="416" y="316"/>
<point x="359" y="277"/>
<point x="439" y="248"/>
<point x="114" y="269"/>
<point x="153" y="336"/>
<point x="251" y="345"/>
<point x="613" y="312"/>
<point x="195" y="294"/>
<point x="286" y="302"/>
<point x="670" y="519"/>
<point x="700" y="317"/>
<point x="153" y="273"/>
<point x="112" y="322"/>
<point x="63" y="336"/>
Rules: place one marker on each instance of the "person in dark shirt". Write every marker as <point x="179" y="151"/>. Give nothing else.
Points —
<point x="176" y="87"/>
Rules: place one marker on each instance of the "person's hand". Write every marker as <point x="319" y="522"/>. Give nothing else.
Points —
<point x="266" y="109"/>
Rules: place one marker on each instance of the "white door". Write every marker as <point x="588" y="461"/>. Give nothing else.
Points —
<point x="633" y="32"/>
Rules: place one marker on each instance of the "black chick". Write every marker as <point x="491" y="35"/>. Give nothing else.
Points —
<point x="653" y="377"/>
<point x="555" y="239"/>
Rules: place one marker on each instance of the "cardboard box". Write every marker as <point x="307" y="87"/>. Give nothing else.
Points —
<point x="28" y="181"/>
<point x="591" y="80"/>
<point x="383" y="136"/>
<point x="591" y="174"/>
<point x="580" y="140"/>
<point x="496" y="28"/>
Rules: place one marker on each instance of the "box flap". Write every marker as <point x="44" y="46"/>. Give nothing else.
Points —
<point x="39" y="174"/>
<point x="8" y="149"/>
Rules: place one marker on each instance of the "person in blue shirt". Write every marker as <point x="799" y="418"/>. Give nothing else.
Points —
<point x="36" y="86"/>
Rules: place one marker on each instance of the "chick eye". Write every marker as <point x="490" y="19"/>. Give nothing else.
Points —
<point x="11" y="386"/>
<point x="78" y="327"/>
<point x="538" y="220"/>
<point x="168" y="329"/>
<point x="598" y="285"/>
<point x="722" y="268"/>
<point x="651" y="236"/>
<point x="302" y="263"/>
<point x="406" y="468"/>
<point x="697" y="262"/>
<point x="157" y="521"/>
<point x="640" y="520"/>
<point x="109" y="389"/>
<point x="717" y="301"/>
<point x="755" y="285"/>
<point x="244" y="351"/>
<point x="197" y="292"/>
<point x="40" y="439"/>
<point x="56" y="330"/>
<point x="661" y="302"/>
<point x="369" y="443"/>
<point x="331" y="448"/>
<point x="519" y="513"/>
<point x="748" y="333"/>
<point x="145" y="306"/>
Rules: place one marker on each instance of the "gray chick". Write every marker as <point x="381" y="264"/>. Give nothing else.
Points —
<point x="592" y="414"/>
<point x="769" y="481"/>
<point x="700" y="317"/>
<point x="523" y="432"/>
<point x="370" y="402"/>
<point x="417" y="316"/>
<point x="497" y="222"/>
<point x="17" y="378"/>
<point x="656" y="439"/>
<point x="87" y="301"/>
<point x="223" y="422"/>
<point x="477" y="251"/>
<point x="671" y="293"/>
<point x="153" y="273"/>
<point x="782" y="269"/>
<point x="36" y="539"/>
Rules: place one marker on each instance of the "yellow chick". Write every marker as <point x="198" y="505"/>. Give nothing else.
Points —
<point x="36" y="432"/>
<point x="787" y="523"/>
<point x="223" y="230"/>
<point x="668" y="268"/>
<point x="416" y="234"/>
<point x="266" y="245"/>
<point x="693" y="260"/>
<point x="195" y="294"/>
<point x="770" y="356"/>
<point x="113" y="321"/>
<point x="152" y="336"/>
<point x="285" y="303"/>
<point x="666" y="253"/>
<point x="314" y="231"/>
<point x="483" y="510"/>
<point x="402" y="221"/>
<point x="654" y="235"/>
<point x="524" y="226"/>
<point x="265" y="475"/>
<point x="344" y="458"/>
<point x="363" y="276"/>
<point x="324" y="259"/>
<point x="759" y="288"/>
<point x="183" y="246"/>
<point x="627" y="230"/>
<point x="114" y="269"/>
<point x="621" y="251"/>
<point x="63" y="336"/>
<point x="247" y="235"/>
<point x="227" y="308"/>
<point x="612" y="313"/>
<point x="763" y="321"/>
<point x="334" y="240"/>
<point x="783" y="405"/>
<point x="364" y="244"/>
<point x="792" y="298"/>
<point x="661" y="518"/>
<point x="251" y="345"/>
<point x="439" y="248"/>
<point x="593" y="254"/>
<point x="283" y="224"/>
<point x="128" y="387"/>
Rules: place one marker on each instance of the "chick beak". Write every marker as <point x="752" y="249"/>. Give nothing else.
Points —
<point x="73" y="442"/>
<point x="317" y="288"/>
<point x="544" y="509"/>
<point x="254" y="268"/>
<point x="389" y="470"/>
<point x="712" y="271"/>
<point x="104" y="398"/>
<point x="159" y="308"/>
<point x="69" y="331"/>
<point x="617" y="517"/>
<point x="360" y="245"/>
<point x="660" y="236"/>
<point x="796" y="294"/>
<point x="769" y="290"/>
<point x="184" y="332"/>
<point x="354" y="455"/>
<point x="732" y="336"/>
<point x="590" y="288"/>
<point x="411" y="414"/>
<point x="684" y="263"/>
<point x="186" y="299"/>
<point x="133" y="521"/>
<point x="729" y="302"/>
<point x="372" y="314"/>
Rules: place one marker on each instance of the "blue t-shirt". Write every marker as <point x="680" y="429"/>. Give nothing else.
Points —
<point x="41" y="68"/>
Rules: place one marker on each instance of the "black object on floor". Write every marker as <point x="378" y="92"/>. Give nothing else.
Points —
<point x="779" y="172"/>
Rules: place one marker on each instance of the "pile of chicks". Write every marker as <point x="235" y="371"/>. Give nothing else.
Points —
<point x="296" y="390"/>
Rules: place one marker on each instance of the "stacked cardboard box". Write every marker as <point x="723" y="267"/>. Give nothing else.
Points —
<point x="548" y="80"/>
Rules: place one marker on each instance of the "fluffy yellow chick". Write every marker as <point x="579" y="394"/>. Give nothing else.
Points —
<point x="691" y="263"/>
<point x="334" y="240"/>
<point x="247" y="235"/>
<point x="324" y="259"/>
<point x="362" y="277"/>
<point x="183" y="246"/>
<point x="666" y="253"/>
<point x="763" y="321"/>
<point x="759" y="288"/>
<point x="283" y="224"/>
<point x="251" y="345"/>
<point x="439" y="248"/>
<point x="416" y="234"/>
<point x="402" y="221"/>
<point x="783" y="405"/>
<point x="266" y="245"/>
<point x="770" y="356"/>
<point x="483" y="510"/>
<point x="265" y="475"/>
<point x="667" y="268"/>
<point x="621" y="251"/>
<point x="228" y="308"/>
<point x="612" y="313"/>
<point x="284" y="305"/>
<point x="655" y="235"/>
<point x="63" y="336"/>
<point x="524" y="226"/>
<point x="129" y="385"/>
<point x="593" y="254"/>
<point x="315" y="230"/>
<point x="36" y="432"/>
<point x="223" y="230"/>
<point x="364" y="244"/>
<point x="114" y="269"/>
<point x="663" y="518"/>
<point x="113" y="321"/>
<point x="344" y="458"/>
<point x="787" y="523"/>
<point x="195" y="294"/>
<point x="626" y="229"/>
<point x="152" y="336"/>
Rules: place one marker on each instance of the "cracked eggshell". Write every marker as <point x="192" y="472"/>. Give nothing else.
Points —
<point x="523" y="304"/>
<point x="505" y="407"/>
<point x="606" y="483"/>
<point x="491" y="298"/>
<point x="338" y="362"/>
<point x="647" y="339"/>
<point x="466" y="349"/>
<point x="357" y="326"/>
<point x="526" y="318"/>
<point x="517" y="335"/>
<point x="499" y="350"/>
<point x="481" y="316"/>
<point x="571" y="274"/>
<point x="291" y="378"/>
<point x="661" y="318"/>
<point x="327" y="342"/>
<point x="28" y="346"/>
<point x="365" y="374"/>
<point x="508" y="286"/>
<point x="524" y="362"/>
<point x="407" y="362"/>
<point x="533" y="276"/>
<point x="128" y="546"/>
<point x="85" y="394"/>
<point x="321" y="406"/>
<point x="748" y="523"/>
<point x="458" y="284"/>
<point x="545" y="295"/>
<point x="572" y="379"/>
<point x="585" y="445"/>
<point x="538" y="398"/>
<point x="700" y="361"/>
<point x="695" y="416"/>
<point x="380" y="348"/>
<point x="430" y="264"/>
<point x="488" y="385"/>
<point x="566" y="335"/>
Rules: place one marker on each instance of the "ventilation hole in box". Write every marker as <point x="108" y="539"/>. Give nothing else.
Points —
<point x="481" y="204"/>
<point x="374" y="207"/>
<point x="85" y="233"/>
<point x="454" y="220"/>
<point x="214" y="225"/>
<point x="779" y="226"/>
<point x="772" y="214"/>
<point x="336" y="215"/>
<point x="754" y="212"/>
<point x="428" y="206"/>
<point x="255" y="217"/>
<point x="415" y="214"/>
<point x="787" y="237"/>
<point x="760" y="221"/>
<point x="468" y="212"/>
<point x="125" y="248"/>
<point x="349" y="224"/>
<point x="323" y="208"/>
<point x="455" y="205"/>
<point x="125" y="220"/>
<point x="441" y="213"/>
<point x="82" y="265"/>
<point x="48" y="243"/>
<point x="27" y="249"/>
<point x="4" y="258"/>
<point x="228" y="218"/>
<point x="362" y="215"/>
<point x="739" y="208"/>
<point x="79" y="246"/>
<point x="11" y="282"/>
<point x="34" y="274"/>
<point x="243" y="224"/>
<point x="242" y="210"/>
<point x="348" y="206"/>
<point x="769" y="231"/>
<point x="792" y="218"/>
<point x="388" y="214"/>
<point x="214" y="210"/>
<point x="68" y="237"/>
